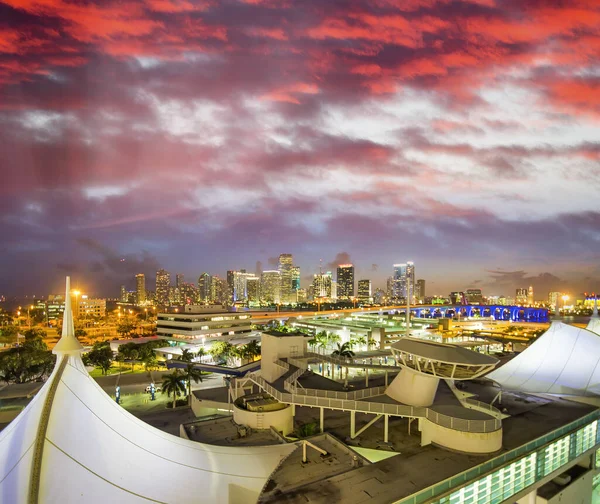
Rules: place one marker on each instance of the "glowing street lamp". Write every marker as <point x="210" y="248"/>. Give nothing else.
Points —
<point x="565" y="298"/>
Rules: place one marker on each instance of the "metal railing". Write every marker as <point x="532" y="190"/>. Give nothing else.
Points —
<point x="434" y="492"/>
<point x="349" y="402"/>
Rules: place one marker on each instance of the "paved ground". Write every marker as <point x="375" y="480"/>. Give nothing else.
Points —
<point x="20" y="390"/>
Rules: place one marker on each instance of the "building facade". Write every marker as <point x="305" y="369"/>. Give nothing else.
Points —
<point x="163" y="284"/>
<point x="270" y="287"/>
<point x="364" y="291"/>
<point x="140" y="289"/>
<point x="286" y="265"/>
<point x="345" y="281"/>
<point x="403" y="280"/>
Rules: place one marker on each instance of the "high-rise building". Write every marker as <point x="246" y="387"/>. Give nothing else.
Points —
<point x="364" y="291"/>
<point x="163" y="282"/>
<point x="270" y="286"/>
<point x="140" y="289"/>
<point x="403" y="280"/>
<point x="230" y="294"/>
<point x="218" y="291"/>
<point x="420" y="290"/>
<point x="253" y="290"/>
<point x="204" y="288"/>
<point x="123" y="296"/>
<point x="286" y="265"/>
<point x="179" y="279"/>
<point x="521" y="296"/>
<point x="322" y="285"/>
<point x="295" y="279"/>
<point x="458" y="297"/>
<point x="345" y="281"/>
<point x="554" y="299"/>
<point x="530" y="299"/>
<point x="474" y="296"/>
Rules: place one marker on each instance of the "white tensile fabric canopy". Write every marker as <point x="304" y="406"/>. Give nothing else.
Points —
<point x="563" y="360"/>
<point x="594" y="323"/>
<point x="73" y="443"/>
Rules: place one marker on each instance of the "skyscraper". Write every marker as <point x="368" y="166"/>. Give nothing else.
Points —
<point x="322" y="285"/>
<point x="345" y="281"/>
<point x="123" y="294"/>
<point x="204" y="287"/>
<point x="521" y="296"/>
<point x="270" y="286"/>
<point x="295" y="279"/>
<point x="163" y="282"/>
<point x="403" y="279"/>
<point x="364" y="291"/>
<point x="253" y="290"/>
<point x="140" y="288"/>
<point x="420" y="290"/>
<point x="179" y="279"/>
<point x="530" y="299"/>
<point x="286" y="264"/>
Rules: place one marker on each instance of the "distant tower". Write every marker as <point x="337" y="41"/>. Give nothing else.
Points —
<point x="204" y="287"/>
<point x="364" y="291"/>
<point x="163" y="282"/>
<point x="403" y="280"/>
<point x="286" y="265"/>
<point x="530" y="296"/>
<point x="140" y="288"/>
<point x="345" y="281"/>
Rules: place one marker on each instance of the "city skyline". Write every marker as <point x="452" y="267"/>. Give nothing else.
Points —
<point x="207" y="136"/>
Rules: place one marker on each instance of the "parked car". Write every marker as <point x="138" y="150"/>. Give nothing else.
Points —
<point x="157" y="388"/>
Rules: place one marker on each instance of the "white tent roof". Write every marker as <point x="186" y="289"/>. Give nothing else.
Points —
<point x="594" y="323"/>
<point x="564" y="360"/>
<point x="73" y="443"/>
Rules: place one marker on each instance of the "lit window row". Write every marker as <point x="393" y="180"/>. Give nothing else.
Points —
<point x="507" y="481"/>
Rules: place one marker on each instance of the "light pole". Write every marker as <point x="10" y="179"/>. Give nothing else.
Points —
<point x="28" y="316"/>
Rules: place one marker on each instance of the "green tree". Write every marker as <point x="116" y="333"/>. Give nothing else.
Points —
<point x="221" y="350"/>
<point x="150" y="362"/>
<point x="133" y="355"/>
<point x="80" y="332"/>
<point x="191" y="373"/>
<point x="125" y="328"/>
<point x="173" y="384"/>
<point x="343" y="351"/>
<point x="120" y="358"/>
<point x="200" y="353"/>
<point x="8" y="334"/>
<point x="253" y="349"/>
<point x="186" y="355"/>
<point x="101" y="356"/>
<point x="307" y="430"/>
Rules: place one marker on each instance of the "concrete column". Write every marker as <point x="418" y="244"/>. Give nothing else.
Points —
<point x="386" y="378"/>
<point x="352" y="423"/>
<point x="322" y="419"/>
<point x="366" y="377"/>
<point x="385" y="427"/>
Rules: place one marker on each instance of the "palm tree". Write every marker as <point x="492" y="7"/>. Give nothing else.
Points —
<point x="186" y="355"/>
<point x="361" y="340"/>
<point x="335" y="338"/>
<point x="191" y="373"/>
<point x="253" y="349"/>
<point x="200" y="353"/>
<point x="174" y="384"/>
<point x="343" y="351"/>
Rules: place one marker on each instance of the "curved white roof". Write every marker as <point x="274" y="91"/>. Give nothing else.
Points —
<point x="563" y="360"/>
<point x="594" y="323"/>
<point x="443" y="352"/>
<point x="73" y="443"/>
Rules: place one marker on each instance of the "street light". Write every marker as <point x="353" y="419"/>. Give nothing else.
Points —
<point x="565" y="298"/>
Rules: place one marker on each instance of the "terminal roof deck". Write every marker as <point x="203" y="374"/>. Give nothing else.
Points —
<point x="419" y="467"/>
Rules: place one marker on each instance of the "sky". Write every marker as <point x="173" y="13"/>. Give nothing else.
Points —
<point x="212" y="135"/>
